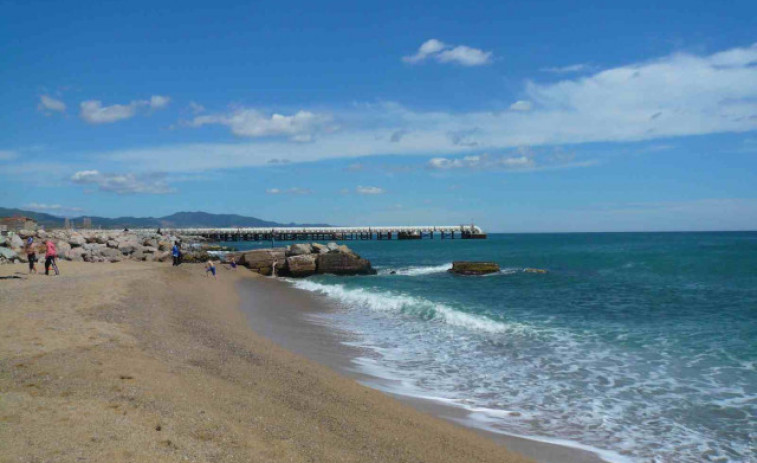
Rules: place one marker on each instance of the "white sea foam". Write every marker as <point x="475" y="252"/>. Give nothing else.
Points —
<point x="389" y="302"/>
<point x="416" y="271"/>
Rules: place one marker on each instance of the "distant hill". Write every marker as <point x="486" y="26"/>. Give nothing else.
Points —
<point x="177" y="220"/>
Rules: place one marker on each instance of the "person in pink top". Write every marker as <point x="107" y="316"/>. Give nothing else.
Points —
<point x="51" y="254"/>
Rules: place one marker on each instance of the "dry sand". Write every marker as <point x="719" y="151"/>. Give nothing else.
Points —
<point x="145" y="362"/>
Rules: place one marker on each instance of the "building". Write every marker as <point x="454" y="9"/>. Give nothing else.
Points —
<point x="18" y="223"/>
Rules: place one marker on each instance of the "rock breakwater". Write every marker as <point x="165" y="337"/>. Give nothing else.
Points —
<point x="302" y="260"/>
<point x="100" y="246"/>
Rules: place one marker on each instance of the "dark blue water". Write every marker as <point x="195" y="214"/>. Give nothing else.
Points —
<point x="641" y="345"/>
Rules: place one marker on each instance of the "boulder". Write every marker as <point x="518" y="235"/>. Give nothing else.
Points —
<point x="340" y="263"/>
<point x="138" y="254"/>
<point x="112" y="244"/>
<point x="16" y="242"/>
<point x="163" y="256"/>
<point x="110" y="253"/>
<point x="473" y="268"/>
<point x="302" y="265"/>
<point x="319" y="248"/>
<point x="76" y="240"/>
<point x="63" y="247"/>
<point x="149" y="249"/>
<point x="41" y="234"/>
<point x="165" y="246"/>
<point x="298" y="249"/>
<point x="24" y="234"/>
<point x="102" y="239"/>
<point x="149" y="242"/>
<point x="343" y="249"/>
<point x="4" y="241"/>
<point x="332" y="246"/>
<point x="128" y="247"/>
<point x="8" y="254"/>
<point x="261" y="260"/>
<point x="75" y="254"/>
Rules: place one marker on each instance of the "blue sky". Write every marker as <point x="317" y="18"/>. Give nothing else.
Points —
<point x="519" y="116"/>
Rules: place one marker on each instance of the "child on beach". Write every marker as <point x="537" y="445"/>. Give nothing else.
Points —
<point x="51" y="254"/>
<point x="31" y="255"/>
<point x="176" y="253"/>
<point x="210" y="267"/>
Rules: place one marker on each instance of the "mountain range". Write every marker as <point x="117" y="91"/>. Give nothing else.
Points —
<point x="177" y="220"/>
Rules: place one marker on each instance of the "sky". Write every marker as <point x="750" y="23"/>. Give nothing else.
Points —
<point x="532" y="116"/>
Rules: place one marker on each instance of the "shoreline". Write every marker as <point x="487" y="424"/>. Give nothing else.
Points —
<point x="289" y="317"/>
<point x="138" y="361"/>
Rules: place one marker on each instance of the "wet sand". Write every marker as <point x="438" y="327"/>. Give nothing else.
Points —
<point x="288" y="316"/>
<point x="135" y="362"/>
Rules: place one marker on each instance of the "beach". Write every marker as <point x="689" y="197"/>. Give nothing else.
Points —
<point x="140" y="361"/>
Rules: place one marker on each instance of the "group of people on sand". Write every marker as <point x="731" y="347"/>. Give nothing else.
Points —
<point x="51" y="256"/>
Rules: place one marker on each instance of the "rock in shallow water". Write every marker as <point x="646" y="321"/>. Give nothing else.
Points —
<point x="474" y="268"/>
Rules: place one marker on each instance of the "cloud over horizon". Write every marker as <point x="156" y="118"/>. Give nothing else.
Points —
<point x="675" y="95"/>
<point x="127" y="183"/>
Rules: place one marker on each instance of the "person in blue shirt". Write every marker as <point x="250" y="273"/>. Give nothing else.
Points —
<point x="176" y="253"/>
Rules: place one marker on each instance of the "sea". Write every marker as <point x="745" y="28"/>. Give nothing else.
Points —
<point x="641" y="347"/>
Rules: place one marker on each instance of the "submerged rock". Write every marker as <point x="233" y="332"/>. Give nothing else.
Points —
<point x="474" y="268"/>
<point x="534" y="270"/>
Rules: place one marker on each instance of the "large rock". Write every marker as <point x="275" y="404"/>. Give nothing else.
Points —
<point x="76" y="240"/>
<point x="302" y="265"/>
<point x="8" y="254"/>
<point x="473" y="268"/>
<point x="112" y="244"/>
<point x="340" y="263"/>
<point x="163" y="256"/>
<point x="165" y="246"/>
<point x="332" y="246"/>
<point x="4" y="241"/>
<point x="261" y="260"/>
<point x="63" y="247"/>
<point x="101" y="239"/>
<point x="75" y="254"/>
<point x="128" y="247"/>
<point x="24" y="234"/>
<point x="298" y="249"/>
<point x="16" y="242"/>
<point x="41" y="234"/>
<point x="319" y="248"/>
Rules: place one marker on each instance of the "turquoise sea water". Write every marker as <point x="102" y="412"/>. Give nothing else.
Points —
<point x="640" y="345"/>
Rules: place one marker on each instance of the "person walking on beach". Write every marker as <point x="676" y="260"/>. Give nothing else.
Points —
<point x="51" y="254"/>
<point x="210" y="267"/>
<point x="176" y="253"/>
<point x="31" y="255"/>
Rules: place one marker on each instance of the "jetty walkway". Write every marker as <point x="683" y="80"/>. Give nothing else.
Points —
<point x="332" y="233"/>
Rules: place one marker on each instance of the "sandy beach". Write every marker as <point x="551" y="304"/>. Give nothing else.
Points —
<point x="144" y="362"/>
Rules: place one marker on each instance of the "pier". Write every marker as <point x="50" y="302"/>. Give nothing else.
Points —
<point x="332" y="233"/>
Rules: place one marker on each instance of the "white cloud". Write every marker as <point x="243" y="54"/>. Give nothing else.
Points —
<point x="567" y="69"/>
<point x="369" y="190"/>
<point x="94" y="112"/>
<point x="8" y="155"/>
<point x="688" y="94"/>
<point x="291" y="191"/>
<point x="443" y="53"/>
<point x="465" y="56"/>
<point x="154" y="183"/>
<point x="428" y="48"/>
<point x="483" y="161"/>
<point x="48" y="103"/>
<point x="299" y="127"/>
<point x="522" y="105"/>
<point x="159" y="102"/>
<point x="196" y="108"/>
<point x="53" y="208"/>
